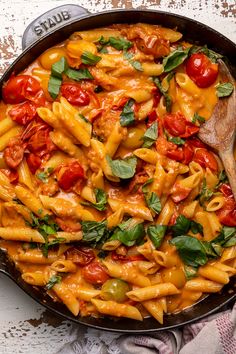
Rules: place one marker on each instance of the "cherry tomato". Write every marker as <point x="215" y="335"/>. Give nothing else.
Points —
<point x="201" y="70"/>
<point x="34" y="162"/>
<point x="14" y="152"/>
<point x="182" y="154"/>
<point x="206" y="159"/>
<point x="227" y="214"/>
<point x="177" y="125"/>
<point x="80" y="255"/>
<point x="11" y="174"/>
<point x="69" y="174"/>
<point x="20" y="88"/>
<point x="40" y="143"/>
<point x="95" y="273"/>
<point x="74" y="94"/>
<point x="179" y="193"/>
<point x="23" y="113"/>
<point x="194" y="141"/>
<point x="152" y="117"/>
<point x="115" y="290"/>
<point x="156" y="97"/>
<point x="32" y="128"/>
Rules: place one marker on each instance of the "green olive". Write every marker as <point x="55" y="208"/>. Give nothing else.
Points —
<point x="115" y="290"/>
<point x="133" y="139"/>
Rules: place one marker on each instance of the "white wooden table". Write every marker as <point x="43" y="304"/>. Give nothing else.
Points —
<point x="25" y="327"/>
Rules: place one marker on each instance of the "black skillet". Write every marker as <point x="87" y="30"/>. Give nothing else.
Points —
<point x="55" y="26"/>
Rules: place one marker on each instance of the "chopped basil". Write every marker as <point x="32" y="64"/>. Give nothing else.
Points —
<point x="94" y="232"/>
<point x="174" y="59"/>
<point x="55" y="279"/>
<point x="46" y="226"/>
<point x="136" y="65"/>
<point x="120" y="43"/>
<point x="168" y="100"/>
<point x="222" y="179"/>
<point x="191" y="250"/>
<point x="156" y="234"/>
<point x="183" y="225"/>
<point x="176" y="140"/>
<point x="226" y="237"/>
<point x="80" y="74"/>
<point x="59" y="68"/>
<point x="213" y="56"/>
<point x="150" y="136"/>
<point x="127" y="115"/>
<point x="198" y="118"/>
<point x="153" y="202"/>
<point x="101" y="200"/>
<point x="128" y="55"/>
<point x="54" y="85"/>
<point x="127" y="234"/>
<point x="43" y="175"/>
<point x="205" y="193"/>
<point x="225" y="89"/>
<point x="195" y="227"/>
<point x="45" y="247"/>
<point x="89" y="58"/>
<point x="123" y="168"/>
<point x="190" y="272"/>
<point x="145" y="185"/>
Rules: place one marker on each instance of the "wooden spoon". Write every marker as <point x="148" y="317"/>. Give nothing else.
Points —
<point x="220" y="130"/>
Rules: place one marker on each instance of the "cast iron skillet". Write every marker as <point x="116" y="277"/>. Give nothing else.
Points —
<point x="55" y="26"/>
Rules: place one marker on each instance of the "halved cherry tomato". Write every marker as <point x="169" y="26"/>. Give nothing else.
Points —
<point x="75" y="94"/>
<point x="95" y="273"/>
<point x="201" y="70"/>
<point x="69" y="174"/>
<point x="206" y="159"/>
<point x="80" y="255"/>
<point x="23" y="113"/>
<point x="227" y="214"/>
<point x="32" y="128"/>
<point x="182" y="154"/>
<point x="21" y="88"/>
<point x="156" y="97"/>
<point x="34" y="162"/>
<point x="11" y="174"/>
<point x="40" y="143"/>
<point x="177" y="125"/>
<point x="14" y="152"/>
<point x="179" y="193"/>
<point x="194" y="141"/>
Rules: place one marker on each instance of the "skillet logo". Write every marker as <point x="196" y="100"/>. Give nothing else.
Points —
<point x="51" y="22"/>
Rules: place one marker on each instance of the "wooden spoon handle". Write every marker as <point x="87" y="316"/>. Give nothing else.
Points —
<point x="229" y="163"/>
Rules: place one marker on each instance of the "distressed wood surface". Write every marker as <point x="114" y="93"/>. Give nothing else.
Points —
<point x="25" y="327"/>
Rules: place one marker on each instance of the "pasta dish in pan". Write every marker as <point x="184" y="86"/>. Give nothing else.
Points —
<point x="108" y="198"/>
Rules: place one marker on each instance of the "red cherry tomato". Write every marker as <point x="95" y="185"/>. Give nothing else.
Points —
<point x="201" y="70"/>
<point x="69" y="174"/>
<point x="177" y="125"/>
<point x="179" y="193"/>
<point x="152" y="117"/>
<point x="40" y="143"/>
<point x="80" y="255"/>
<point x="23" y="113"/>
<point x="156" y="97"/>
<point x="182" y="154"/>
<point x="75" y="94"/>
<point x="194" y="141"/>
<point x="34" y="162"/>
<point x="11" y="174"/>
<point x="227" y="214"/>
<point x="95" y="273"/>
<point x="22" y="87"/>
<point x="14" y="153"/>
<point x="206" y="159"/>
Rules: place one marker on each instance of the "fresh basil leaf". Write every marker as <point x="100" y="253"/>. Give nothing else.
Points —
<point x="174" y="59"/>
<point x="103" y="50"/>
<point x="198" y="118"/>
<point x="153" y="202"/>
<point x="127" y="115"/>
<point x="136" y="65"/>
<point x="59" y="68"/>
<point x="176" y="140"/>
<point x="55" y="279"/>
<point x="222" y="179"/>
<point x="213" y="56"/>
<point x="101" y="200"/>
<point x="217" y="249"/>
<point x="190" y="272"/>
<point x="209" y="250"/>
<point x="80" y="74"/>
<point x="156" y="234"/>
<point x="43" y="176"/>
<point x="150" y="136"/>
<point x="119" y="43"/>
<point x="123" y="168"/>
<point x="195" y="227"/>
<point x="54" y="85"/>
<point x="181" y="226"/>
<point x="190" y="250"/>
<point x="145" y="185"/>
<point x="205" y="193"/>
<point x="225" y="89"/>
<point x="128" y="55"/>
<point x="45" y="247"/>
<point x="127" y="234"/>
<point x="89" y="58"/>
<point x="230" y="242"/>
<point x="94" y="232"/>
<point x="226" y="237"/>
<point x="168" y="100"/>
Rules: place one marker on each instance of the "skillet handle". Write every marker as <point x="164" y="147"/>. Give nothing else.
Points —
<point x="50" y="21"/>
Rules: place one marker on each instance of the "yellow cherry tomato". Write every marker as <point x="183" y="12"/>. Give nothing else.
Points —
<point x="133" y="139"/>
<point x="51" y="56"/>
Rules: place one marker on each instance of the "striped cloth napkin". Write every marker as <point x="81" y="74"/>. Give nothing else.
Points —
<point x="215" y="334"/>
